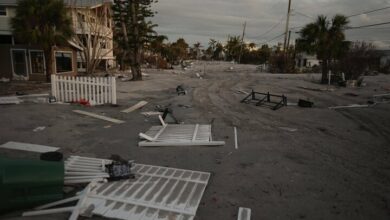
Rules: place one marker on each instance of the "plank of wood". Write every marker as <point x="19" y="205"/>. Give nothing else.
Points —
<point x="113" y="120"/>
<point x="135" y="107"/>
<point x="28" y="147"/>
<point x="175" y="144"/>
<point x="351" y="106"/>
<point x="235" y="138"/>
<point x="244" y="214"/>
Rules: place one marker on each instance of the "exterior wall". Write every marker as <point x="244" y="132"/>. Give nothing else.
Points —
<point x="5" y="26"/>
<point x="6" y="70"/>
<point x="83" y="23"/>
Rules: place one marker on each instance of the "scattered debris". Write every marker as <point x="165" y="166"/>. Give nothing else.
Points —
<point x="39" y="129"/>
<point x="382" y="98"/>
<point x="242" y="92"/>
<point x="316" y="89"/>
<point x="235" y="138"/>
<point x="148" y="114"/>
<point x="352" y="106"/>
<point x="178" y="135"/>
<point x="244" y="214"/>
<point x="113" y="120"/>
<point x="289" y="129"/>
<point x="28" y="147"/>
<point x="165" y="190"/>
<point x="180" y="90"/>
<point x="305" y="104"/>
<point x="351" y="94"/>
<point x="265" y="100"/>
<point x="184" y="106"/>
<point x="135" y="107"/>
<point x="10" y="100"/>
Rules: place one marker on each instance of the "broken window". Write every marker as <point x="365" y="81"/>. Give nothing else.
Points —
<point x="63" y="62"/>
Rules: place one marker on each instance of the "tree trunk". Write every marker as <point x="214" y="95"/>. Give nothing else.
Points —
<point x="49" y="64"/>
<point x="324" y="78"/>
<point x="135" y="55"/>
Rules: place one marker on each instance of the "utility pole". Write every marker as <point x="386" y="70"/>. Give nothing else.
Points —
<point x="288" y="40"/>
<point x="287" y="23"/>
<point x="242" y="43"/>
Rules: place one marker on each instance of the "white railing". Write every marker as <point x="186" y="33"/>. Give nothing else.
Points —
<point x="96" y="90"/>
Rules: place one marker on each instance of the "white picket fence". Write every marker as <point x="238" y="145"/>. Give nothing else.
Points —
<point x="97" y="90"/>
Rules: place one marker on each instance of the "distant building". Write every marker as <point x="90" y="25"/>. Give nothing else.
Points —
<point x="305" y="61"/>
<point x="27" y="62"/>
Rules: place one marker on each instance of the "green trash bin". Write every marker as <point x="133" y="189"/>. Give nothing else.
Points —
<point x="28" y="183"/>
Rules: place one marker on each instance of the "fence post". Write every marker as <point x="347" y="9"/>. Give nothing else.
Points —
<point x="113" y="87"/>
<point x="53" y="86"/>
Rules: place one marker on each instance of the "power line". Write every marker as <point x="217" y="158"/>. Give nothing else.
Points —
<point x="370" y="25"/>
<point x="368" y="12"/>
<point x="302" y="14"/>
<point x="271" y="29"/>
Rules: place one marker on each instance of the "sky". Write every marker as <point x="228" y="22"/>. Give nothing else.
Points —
<point x="200" y="20"/>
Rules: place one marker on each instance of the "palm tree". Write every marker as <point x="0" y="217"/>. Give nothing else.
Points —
<point x="44" y="23"/>
<point x="233" y="46"/>
<point x="326" y="39"/>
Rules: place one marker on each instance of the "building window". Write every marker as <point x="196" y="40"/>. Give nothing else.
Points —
<point x="37" y="60"/>
<point x="64" y="62"/>
<point x="3" y="11"/>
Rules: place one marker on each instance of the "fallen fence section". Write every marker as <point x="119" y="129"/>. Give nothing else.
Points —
<point x="96" y="90"/>
<point x="244" y="214"/>
<point x="266" y="100"/>
<point x="113" y="120"/>
<point x="178" y="135"/>
<point x="28" y="147"/>
<point x="157" y="193"/>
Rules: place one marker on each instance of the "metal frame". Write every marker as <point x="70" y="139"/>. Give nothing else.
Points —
<point x="251" y="98"/>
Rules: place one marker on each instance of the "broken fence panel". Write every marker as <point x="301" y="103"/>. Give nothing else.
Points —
<point x="178" y="135"/>
<point x="96" y="90"/>
<point x="157" y="193"/>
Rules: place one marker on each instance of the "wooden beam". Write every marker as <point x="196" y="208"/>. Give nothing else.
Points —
<point x="113" y="120"/>
<point x="135" y="107"/>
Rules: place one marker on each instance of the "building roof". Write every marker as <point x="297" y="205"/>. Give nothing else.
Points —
<point x="77" y="3"/>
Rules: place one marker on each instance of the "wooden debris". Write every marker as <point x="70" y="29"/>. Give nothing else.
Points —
<point x="351" y="106"/>
<point x="28" y="147"/>
<point x="244" y="214"/>
<point x="235" y="138"/>
<point x="135" y="107"/>
<point x="113" y="120"/>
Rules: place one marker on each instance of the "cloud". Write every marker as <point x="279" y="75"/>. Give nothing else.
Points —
<point x="200" y="20"/>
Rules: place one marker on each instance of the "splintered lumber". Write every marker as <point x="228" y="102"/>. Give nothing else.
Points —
<point x="244" y="214"/>
<point x="135" y="107"/>
<point x="28" y="147"/>
<point x="113" y="120"/>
